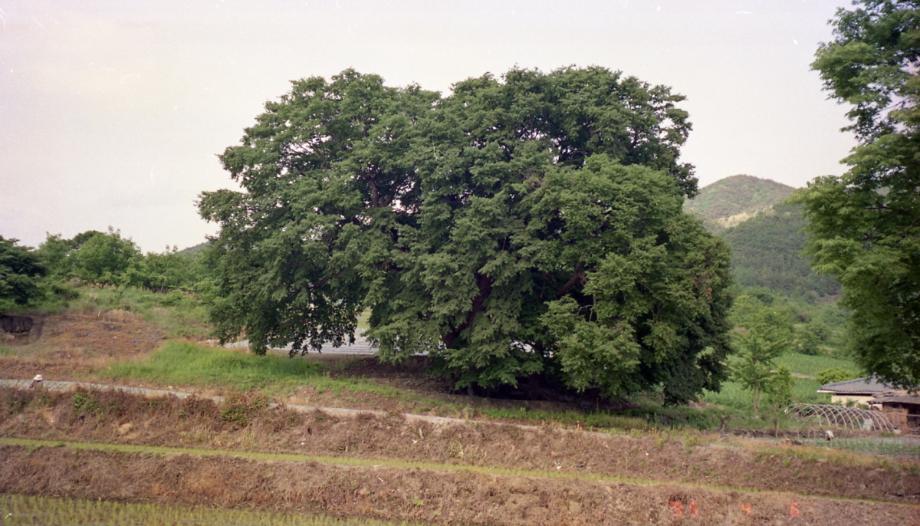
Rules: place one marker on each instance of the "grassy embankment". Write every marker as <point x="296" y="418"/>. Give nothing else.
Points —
<point x="21" y="510"/>
<point x="183" y="363"/>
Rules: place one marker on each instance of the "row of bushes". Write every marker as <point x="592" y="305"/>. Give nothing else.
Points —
<point x="99" y="258"/>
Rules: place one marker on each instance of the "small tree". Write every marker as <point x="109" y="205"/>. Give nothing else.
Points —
<point x="760" y="345"/>
<point x="20" y="269"/>
<point x="164" y="271"/>
<point x="103" y="258"/>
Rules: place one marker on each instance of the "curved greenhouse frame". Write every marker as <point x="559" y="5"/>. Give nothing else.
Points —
<point x="854" y="418"/>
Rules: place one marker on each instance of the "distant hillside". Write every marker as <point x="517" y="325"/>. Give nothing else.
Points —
<point x="730" y="201"/>
<point x="194" y="250"/>
<point x="767" y="252"/>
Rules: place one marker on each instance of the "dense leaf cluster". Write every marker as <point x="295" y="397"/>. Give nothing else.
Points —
<point x="20" y="272"/>
<point x="865" y="225"/>
<point x="529" y="225"/>
<point x="107" y="258"/>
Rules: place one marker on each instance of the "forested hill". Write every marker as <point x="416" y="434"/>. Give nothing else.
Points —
<point x="194" y="250"/>
<point x="730" y="201"/>
<point x="767" y="252"/>
<point x="766" y="235"/>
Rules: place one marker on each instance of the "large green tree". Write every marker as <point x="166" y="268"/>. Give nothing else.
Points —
<point x="865" y="225"/>
<point x="529" y="225"/>
<point x="20" y="271"/>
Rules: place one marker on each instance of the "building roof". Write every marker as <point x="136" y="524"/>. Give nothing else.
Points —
<point x="898" y="399"/>
<point x="858" y="386"/>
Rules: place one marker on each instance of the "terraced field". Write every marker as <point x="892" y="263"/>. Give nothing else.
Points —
<point x="351" y="448"/>
<point x="243" y="454"/>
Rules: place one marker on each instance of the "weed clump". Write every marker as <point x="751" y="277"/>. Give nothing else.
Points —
<point x="238" y="411"/>
<point x="85" y="403"/>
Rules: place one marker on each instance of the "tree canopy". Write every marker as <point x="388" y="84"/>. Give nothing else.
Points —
<point x="528" y="225"/>
<point x="20" y="270"/>
<point x="865" y="225"/>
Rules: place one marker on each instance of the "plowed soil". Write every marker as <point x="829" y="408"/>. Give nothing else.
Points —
<point x="75" y="343"/>
<point x="448" y="498"/>
<point x="247" y="423"/>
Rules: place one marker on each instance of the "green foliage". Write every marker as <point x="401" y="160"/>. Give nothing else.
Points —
<point x="20" y="271"/>
<point x="166" y="271"/>
<point x="768" y="252"/>
<point x="828" y="376"/>
<point x="734" y="199"/>
<point x="818" y="328"/>
<point x="761" y="343"/>
<point x="865" y="225"/>
<point x="84" y="403"/>
<point x="103" y="258"/>
<point x="108" y="259"/>
<point x="526" y="226"/>
<point x="779" y="393"/>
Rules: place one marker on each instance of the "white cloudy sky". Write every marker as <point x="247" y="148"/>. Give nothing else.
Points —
<point x="112" y="112"/>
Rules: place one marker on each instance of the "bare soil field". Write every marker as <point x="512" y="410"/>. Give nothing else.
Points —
<point x="247" y="423"/>
<point x="76" y="343"/>
<point x="245" y="452"/>
<point x="411" y="494"/>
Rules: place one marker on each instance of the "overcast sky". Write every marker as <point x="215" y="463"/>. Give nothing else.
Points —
<point x="112" y="112"/>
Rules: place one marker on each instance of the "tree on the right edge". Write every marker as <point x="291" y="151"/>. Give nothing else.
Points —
<point x="865" y="224"/>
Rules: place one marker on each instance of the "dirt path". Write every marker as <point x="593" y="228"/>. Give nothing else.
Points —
<point x="246" y="423"/>
<point x="341" y="412"/>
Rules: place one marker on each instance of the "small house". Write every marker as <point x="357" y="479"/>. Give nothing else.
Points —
<point x="902" y="410"/>
<point x="860" y="391"/>
<point x="900" y="406"/>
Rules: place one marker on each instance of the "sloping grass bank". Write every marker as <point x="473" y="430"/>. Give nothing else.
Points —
<point x="53" y="511"/>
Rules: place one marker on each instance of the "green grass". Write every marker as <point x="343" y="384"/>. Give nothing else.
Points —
<point x="808" y="365"/>
<point x="20" y="510"/>
<point x="178" y="314"/>
<point x="186" y="363"/>
<point x="735" y="396"/>
<point x="804" y="368"/>
<point x="181" y="363"/>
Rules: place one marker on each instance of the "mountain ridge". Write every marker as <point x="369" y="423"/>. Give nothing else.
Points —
<point x="735" y="199"/>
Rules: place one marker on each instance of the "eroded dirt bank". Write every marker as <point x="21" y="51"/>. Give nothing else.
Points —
<point x="449" y="498"/>
<point x="248" y="424"/>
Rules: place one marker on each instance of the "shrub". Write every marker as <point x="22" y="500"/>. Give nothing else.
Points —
<point x="833" y="374"/>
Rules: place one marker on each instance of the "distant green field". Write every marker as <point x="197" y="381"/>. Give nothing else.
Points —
<point x="807" y="365"/>
<point x="804" y="369"/>
<point x="20" y="510"/>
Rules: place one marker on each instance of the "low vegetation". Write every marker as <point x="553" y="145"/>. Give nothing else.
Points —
<point x="24" y="510"/>
<point x="189" y="364"/>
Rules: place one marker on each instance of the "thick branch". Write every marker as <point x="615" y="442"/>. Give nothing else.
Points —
<point x="484" y="283"/>
<point x="578" y="278"/>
